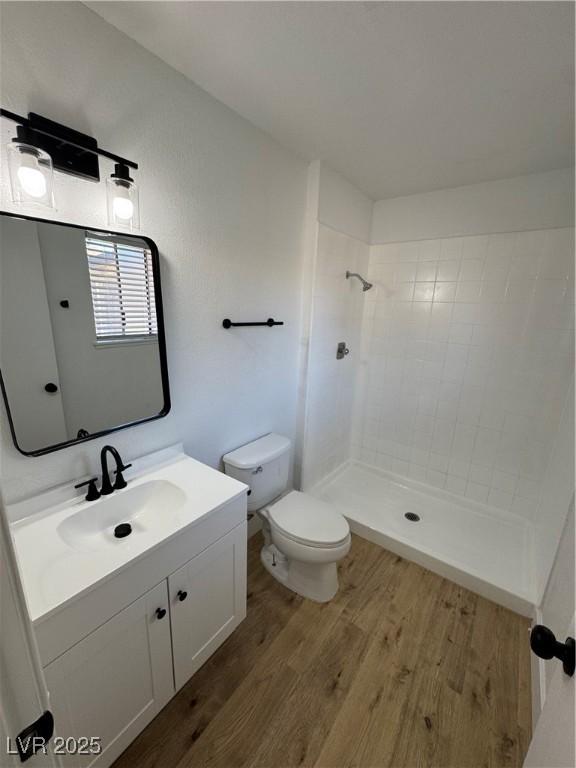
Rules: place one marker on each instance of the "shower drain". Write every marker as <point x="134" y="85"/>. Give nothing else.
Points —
<point x="412" y="516"/>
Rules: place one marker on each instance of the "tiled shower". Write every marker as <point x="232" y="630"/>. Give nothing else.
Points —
<point x="457" y="384"/>
<point x="468" y="346"/>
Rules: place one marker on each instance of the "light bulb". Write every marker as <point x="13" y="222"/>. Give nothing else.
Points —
<point x="32" y="181"/>
<point x="31" y="172"/>
<point x="123" y="208"/>
<point x="122" y="199"/>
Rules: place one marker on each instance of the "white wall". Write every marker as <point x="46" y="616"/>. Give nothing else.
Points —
<point x="535" y="201"/>
<point x="555" y="498"/>
<point x="342" y="206"/>
<point x="337" y="316"/>
<point x="338" y="229"/>
<point x="222" y="200"/>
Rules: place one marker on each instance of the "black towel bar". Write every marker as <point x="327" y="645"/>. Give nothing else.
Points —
<point x="270" y="322"/>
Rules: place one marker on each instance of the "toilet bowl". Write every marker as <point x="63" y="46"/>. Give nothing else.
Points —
<point x="311" y="538"/>
<point x="304" y="538"/>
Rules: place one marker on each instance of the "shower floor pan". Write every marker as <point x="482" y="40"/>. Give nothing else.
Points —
<point x="478" y="547"/>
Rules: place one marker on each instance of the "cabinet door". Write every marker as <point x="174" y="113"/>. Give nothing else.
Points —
<point x="112" y="683"/>
<point x="207" y="602"/>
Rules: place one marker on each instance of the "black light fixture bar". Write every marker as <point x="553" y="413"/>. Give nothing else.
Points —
<point x="71" y="151"/>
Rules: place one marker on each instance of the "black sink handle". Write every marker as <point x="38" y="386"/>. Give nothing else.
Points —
<point x="120" y="482"/>
<point x="93" y="492"/>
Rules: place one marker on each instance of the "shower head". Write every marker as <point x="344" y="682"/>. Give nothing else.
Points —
<point x="365" y="284"/>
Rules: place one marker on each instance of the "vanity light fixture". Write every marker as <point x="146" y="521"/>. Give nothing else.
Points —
<point x="122" y="197"/>
<point x="41" y="146"/>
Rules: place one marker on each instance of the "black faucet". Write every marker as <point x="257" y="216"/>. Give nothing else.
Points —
<point x="107" y="486"/>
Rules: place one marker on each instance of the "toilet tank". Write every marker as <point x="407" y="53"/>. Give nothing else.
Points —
<point x="263" y="465"/>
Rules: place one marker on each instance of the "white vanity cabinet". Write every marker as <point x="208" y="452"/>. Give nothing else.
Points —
<point x="207" y="602"/>
<point x="112" y="683"/>
<point x="122" y="624"/>
<point x="117" y="678"/>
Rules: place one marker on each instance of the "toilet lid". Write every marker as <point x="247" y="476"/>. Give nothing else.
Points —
<point x="308" y="520"/>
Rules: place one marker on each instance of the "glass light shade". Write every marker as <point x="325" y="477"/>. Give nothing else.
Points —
<point x="31" y="175"/>
<point x="123" y="203"/>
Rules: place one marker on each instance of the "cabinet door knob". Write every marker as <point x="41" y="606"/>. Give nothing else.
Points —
<point x="182" y="595"/>
<point x="51" y="388"/>
<point x="160" y="613"/>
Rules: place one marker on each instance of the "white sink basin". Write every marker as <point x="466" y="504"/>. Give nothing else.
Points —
<point x="66" y="545"/>
<point x="149" y="507"/>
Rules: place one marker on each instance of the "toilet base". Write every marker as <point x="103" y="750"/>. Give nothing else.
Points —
<point x="315" y="581"/>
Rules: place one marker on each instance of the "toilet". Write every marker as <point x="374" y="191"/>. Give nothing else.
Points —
<point x="304" y="537"/>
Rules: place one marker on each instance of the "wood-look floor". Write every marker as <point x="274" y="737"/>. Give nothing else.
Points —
<point x="402" y="668"/>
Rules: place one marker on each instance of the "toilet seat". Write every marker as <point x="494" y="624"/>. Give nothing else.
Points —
<point x="309" y="521"/>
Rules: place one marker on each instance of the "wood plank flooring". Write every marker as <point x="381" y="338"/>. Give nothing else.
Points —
<point x="402" y="668"/>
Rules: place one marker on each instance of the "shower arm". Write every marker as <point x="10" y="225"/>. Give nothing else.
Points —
<point x="365" y="284"/>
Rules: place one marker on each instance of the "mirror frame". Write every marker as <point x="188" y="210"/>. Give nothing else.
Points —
<point x="161" y="343"/>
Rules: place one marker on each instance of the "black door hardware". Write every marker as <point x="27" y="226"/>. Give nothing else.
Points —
<point x="182" y="595"/>
<point x="160" y="613"/>
<point x="227" y="323"/>
<point x="122" y="530"/>
<point x="544" y="644"/>
<point x="35" y="737"/>
<point x="65" y="304"/>
<point x="93" y="492"/>
<point x="51" y="387"/>
<point x="341" y="350"/>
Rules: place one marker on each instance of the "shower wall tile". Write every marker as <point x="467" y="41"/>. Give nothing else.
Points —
<point x="467" y="351"/>
<point x="336" y="316"/>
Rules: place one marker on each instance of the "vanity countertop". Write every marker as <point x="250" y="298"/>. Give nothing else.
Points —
<point x="66" y="549"/>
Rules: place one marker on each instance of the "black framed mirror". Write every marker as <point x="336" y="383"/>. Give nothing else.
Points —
<point x="82" y="342"/>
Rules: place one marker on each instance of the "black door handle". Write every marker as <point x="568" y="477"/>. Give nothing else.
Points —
<point x="544" y="644"/>
<point x="160" y="613"/>
<point x="51" y="387"/>
<point x="182" y="595"/>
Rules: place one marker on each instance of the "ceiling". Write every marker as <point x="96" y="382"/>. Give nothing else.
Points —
<point x="399" y="97"/>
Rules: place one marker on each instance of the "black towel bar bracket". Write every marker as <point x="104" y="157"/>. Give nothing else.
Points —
<point x="270" y="322"/>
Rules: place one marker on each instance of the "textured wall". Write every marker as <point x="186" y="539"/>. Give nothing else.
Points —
<point x="338" y="219"/>
<point x="468" y="352"/>
<point x="222" y="200"/>
<point x="336" y="316"/>
<point x="342" y="206"/>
